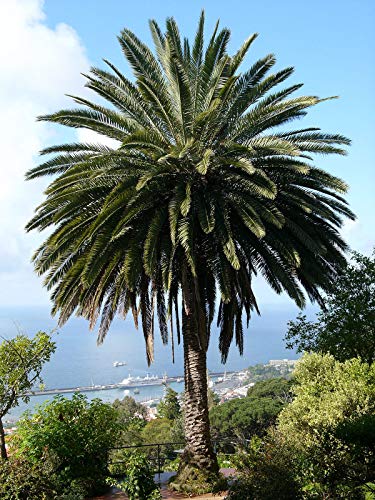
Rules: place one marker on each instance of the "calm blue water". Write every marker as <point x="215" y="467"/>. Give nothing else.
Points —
<point x="79" y="361"/>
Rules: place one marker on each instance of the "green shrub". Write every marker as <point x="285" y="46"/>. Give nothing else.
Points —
<point x="334" y="469"/>
<point x="225" y="460"/>
<point x="21" y="481"/>
<point x="266" y="471"/>
<point x="172" y="465"/>
<point x="139" y="482"/>
<point x="73" y="437"/>
<point x="331" y="422"/>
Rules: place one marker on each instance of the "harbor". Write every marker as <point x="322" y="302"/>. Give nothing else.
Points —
<point x="127" y="383"/>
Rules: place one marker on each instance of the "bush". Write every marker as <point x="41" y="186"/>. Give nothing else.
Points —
<point x="139" y="482"/>
<point x="225" y="460"/>
<point x="21" y="481"/>
<point x="331" y="422"/>
<point x="266" y="471"/>
<point x="73" y="437"/>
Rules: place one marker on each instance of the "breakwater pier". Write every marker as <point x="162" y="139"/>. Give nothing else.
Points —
<point x="129" y="383"/>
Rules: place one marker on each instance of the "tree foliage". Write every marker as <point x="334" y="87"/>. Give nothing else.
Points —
<point x="333" y="406"/>
<point x="129" y="409"/>
<point x="323" y="443"/>
<point x="21" y="362"/>
<point x="131" y="419"/>
<point x="275" y="388"/>
<point x="169" y="407"/>
<point x="346" y="327"/>
<point x="157" y="430"/>
<point x="213" y="398"/>
<point x="266" y="471"/>
<point x="326" y="393"/>
<point x="74" y="436"/>
<point x="260" y="372"/>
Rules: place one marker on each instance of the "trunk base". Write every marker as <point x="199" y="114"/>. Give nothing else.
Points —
<point x="194" y="480"/>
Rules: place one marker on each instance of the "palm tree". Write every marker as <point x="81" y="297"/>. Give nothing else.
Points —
<point x="202" y="193"/>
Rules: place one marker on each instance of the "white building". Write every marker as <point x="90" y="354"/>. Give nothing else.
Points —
<point x="282" y="362"/>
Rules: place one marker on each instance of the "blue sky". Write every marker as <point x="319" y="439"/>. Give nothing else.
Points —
<point x="331" y="44"/>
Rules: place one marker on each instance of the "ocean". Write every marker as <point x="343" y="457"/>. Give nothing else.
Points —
<point x="78" y="361"/>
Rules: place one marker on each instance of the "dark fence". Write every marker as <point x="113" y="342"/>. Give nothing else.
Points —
<point x="157" y="453"/>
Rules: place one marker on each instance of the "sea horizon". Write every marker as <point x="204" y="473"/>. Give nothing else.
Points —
<point x="79" y="361"/>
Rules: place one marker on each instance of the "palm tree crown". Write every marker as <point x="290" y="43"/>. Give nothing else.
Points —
<point x="203" y="188"/>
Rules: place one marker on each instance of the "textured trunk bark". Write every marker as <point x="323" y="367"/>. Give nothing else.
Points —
<point x="3" y="450"/>
<point x="199" y="451"/>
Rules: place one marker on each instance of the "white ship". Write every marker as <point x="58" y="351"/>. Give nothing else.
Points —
<point x="119" y="363"/>
<point x="127" y="381"/>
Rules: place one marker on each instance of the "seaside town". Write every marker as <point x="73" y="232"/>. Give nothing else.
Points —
<point x="227" y="386"/>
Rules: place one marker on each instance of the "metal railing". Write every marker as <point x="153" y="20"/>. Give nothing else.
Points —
<point x="157" y="453"/>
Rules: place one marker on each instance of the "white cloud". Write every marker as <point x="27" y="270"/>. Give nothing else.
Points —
<point x="38" y="66"/>
<point x="357" y="235"/>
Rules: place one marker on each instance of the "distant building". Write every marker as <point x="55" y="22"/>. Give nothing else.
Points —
<point x="282" y="362"/>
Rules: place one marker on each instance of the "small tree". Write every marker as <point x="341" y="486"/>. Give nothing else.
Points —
<point x="131" y="419"/>
<point x="129" y="409"/>
<point x="346" y="328"/>
<point x="21" y="362"/>
<point x="169" y="406"/>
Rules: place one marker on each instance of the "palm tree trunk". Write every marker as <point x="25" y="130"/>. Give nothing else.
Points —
<point x="199" y="451"/>
<point x="3" y="450"/>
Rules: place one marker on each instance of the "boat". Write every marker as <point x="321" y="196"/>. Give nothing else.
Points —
<point x="127" y="381"/>
<point x="119" y="363"/>
<point x="179" y="380"/>
<point x="136" y="391"/>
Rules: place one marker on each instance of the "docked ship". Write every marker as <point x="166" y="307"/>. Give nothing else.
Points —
<point x="139" y="381"/>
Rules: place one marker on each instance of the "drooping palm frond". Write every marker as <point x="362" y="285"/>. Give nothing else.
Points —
<point x="204" y="181"/>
